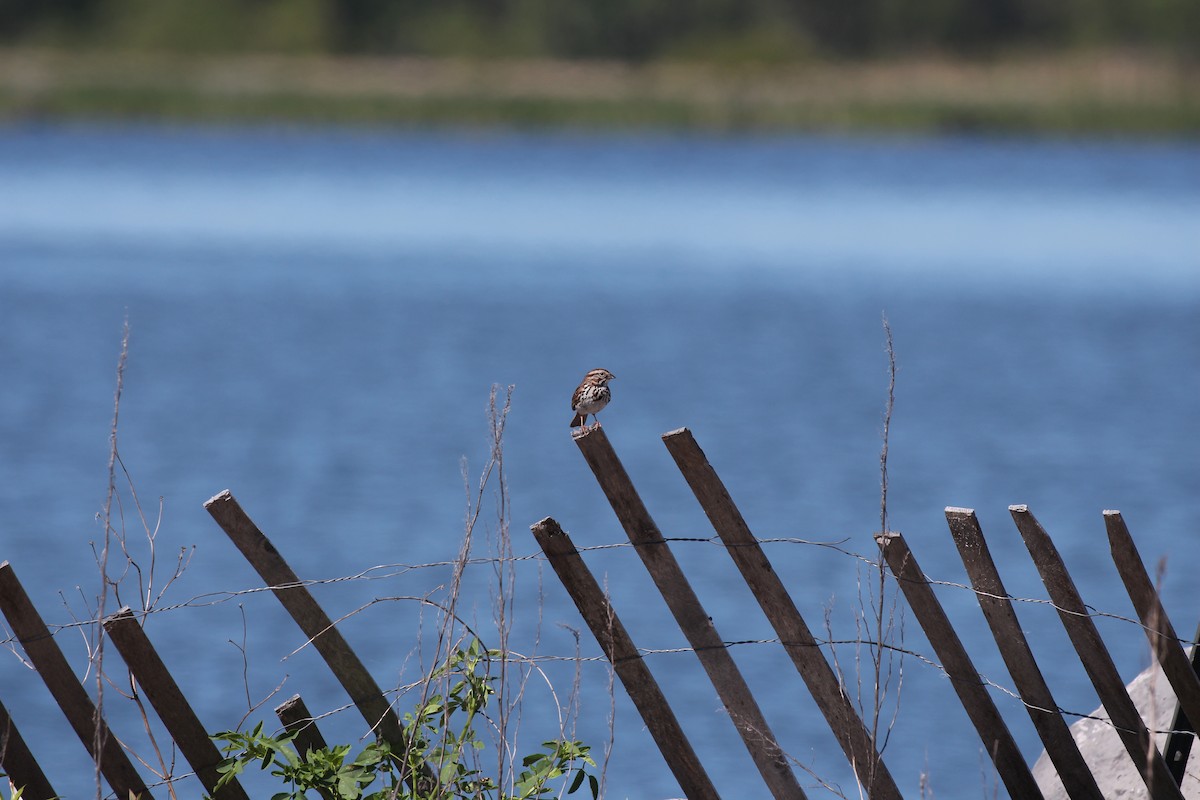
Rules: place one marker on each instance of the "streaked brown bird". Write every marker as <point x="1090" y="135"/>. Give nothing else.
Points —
<point x="592" y="395"/>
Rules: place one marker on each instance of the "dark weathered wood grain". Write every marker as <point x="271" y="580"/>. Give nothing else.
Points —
<point x="294" y="596"/>
<point x="295" y="717"/>
<point x="972" y="693"/>
<point x="1164" y="642"/>
<point x="18" y="763"/>
<point x="70" y="695"/>
<point x="689" y="614"/>
<point x="997" y="609"/>
<point x="830" y="696"/>
<point x="308" y="614"/>
<point x="177" y="716"/>
<point x="1182" y="735"/>
<point x="1095" y="657"/>
<point x="630" y="668"/>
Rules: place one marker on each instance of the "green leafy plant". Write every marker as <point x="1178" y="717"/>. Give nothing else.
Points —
<point x="325" y="770"/>
<point x="442" y="744"/>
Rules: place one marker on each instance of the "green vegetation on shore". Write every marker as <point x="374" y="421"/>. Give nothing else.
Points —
<point x="633" y="31"/>
<point x="1097" y="94"/>
<point x="920" y="65"/>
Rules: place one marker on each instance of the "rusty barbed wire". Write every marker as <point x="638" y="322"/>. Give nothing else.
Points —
<point x="399" y="569"/>
<point x="391" y="571"/>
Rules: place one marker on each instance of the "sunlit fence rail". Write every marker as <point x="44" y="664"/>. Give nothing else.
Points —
<point x="857" y="736"/>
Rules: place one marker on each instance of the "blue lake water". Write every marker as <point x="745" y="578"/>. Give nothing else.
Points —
<point x="318" y="316"/>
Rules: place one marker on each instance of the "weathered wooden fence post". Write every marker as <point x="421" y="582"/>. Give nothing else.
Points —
<point x="1183" y="731"/>
<point x="1095" y="657"/>
<point x="997" y="609"/>
<point x="1164" y="642"/>
<point x="19" y="764"/>
<point x="689" y="614"/>
<point x="70" y="695"/>
<point x="169" y="703"/>
<point x="294" y="596"/>
<point x="992" y="729"/>
<point x="626" y="661"/>
<point x="295" y="716"/>
<point x="828" y="693"/>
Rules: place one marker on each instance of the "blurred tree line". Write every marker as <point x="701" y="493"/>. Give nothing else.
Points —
<point x="634" y="30"/>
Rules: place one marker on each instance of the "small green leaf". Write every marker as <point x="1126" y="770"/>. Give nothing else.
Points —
<point x="575" y="784"/>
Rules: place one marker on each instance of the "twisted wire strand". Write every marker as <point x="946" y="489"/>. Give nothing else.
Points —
<point x="396" y="570"/>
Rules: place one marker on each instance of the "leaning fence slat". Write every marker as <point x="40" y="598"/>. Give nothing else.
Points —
<point x="1183" y="732"/>
<point x="1159" y="630"/>
<point x="19" y="765"/>
<point x="627" y="662"/>
<point x="972" y="693"/>
<point x="689" y="614"/>
<point x="60" y="679"/>
<point x="997" y="609"/>
<point x="169" y="703"/>
<point x="1095" y="657"/>
<point x="295" y="717"/>
<point x="830" y="696"/>
<point x="294" y="596"/>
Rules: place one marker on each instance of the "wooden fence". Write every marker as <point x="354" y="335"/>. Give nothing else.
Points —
<point x="1161" y="774"/>
<point x="157" y="685"/>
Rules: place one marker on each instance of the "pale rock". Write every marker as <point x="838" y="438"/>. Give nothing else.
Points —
<point x="1106" y="755"/>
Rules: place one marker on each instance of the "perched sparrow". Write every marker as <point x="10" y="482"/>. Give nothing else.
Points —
<point x="591" y="396"/>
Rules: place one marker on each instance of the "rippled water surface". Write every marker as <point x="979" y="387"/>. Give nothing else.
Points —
<point x="318" y="317"/>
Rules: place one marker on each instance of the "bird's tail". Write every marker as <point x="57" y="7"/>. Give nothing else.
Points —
<point x="578" y="421"/>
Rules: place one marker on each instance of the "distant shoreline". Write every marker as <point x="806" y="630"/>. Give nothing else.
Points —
<point x="1096" y="93"/>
